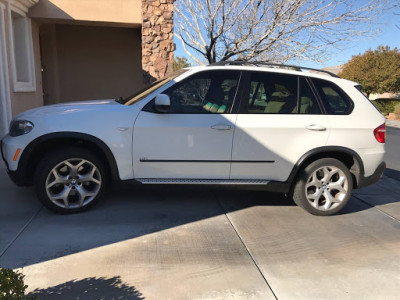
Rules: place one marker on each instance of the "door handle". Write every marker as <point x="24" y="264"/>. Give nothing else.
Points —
<point x="221" y="127"/>
<point x="316" y="127"/>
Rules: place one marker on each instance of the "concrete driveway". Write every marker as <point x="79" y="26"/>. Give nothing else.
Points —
<point x="196" y="243"/>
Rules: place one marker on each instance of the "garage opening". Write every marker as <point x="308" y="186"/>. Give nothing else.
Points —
<point x="82" y="62"/>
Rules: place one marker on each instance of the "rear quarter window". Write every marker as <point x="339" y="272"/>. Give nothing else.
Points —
<point x="334" y="100"/>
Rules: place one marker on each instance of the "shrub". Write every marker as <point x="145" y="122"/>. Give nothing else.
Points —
<point x="12" y="285"/>
<point x="387" y="106"/>
<point x="397" y="108"/>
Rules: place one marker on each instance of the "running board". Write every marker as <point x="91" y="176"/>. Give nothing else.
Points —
<point x="204" y="181"/>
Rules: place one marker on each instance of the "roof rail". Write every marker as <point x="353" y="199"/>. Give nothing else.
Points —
<point x="268" y="64"/>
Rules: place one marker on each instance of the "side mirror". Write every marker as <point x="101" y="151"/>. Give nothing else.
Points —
<point x="162" y="103"/>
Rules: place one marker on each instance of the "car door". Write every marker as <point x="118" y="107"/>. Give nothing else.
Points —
<point x="194" y="139"/>
<point x="279" y="120"/>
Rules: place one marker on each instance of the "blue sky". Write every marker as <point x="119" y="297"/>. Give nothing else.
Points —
<point x="389" y="35"/>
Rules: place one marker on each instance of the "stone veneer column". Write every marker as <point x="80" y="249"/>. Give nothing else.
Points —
<point x="157" y="39"/>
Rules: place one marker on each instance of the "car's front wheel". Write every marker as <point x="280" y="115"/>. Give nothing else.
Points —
<point x="323" y="187"/>
<point x="70" y="180"/>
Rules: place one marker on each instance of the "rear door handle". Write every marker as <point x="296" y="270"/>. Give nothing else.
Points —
<point x="222" y="127"/>
<point x="316" y="127"/>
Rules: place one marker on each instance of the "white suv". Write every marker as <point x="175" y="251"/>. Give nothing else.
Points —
<point x="313" y="136"/>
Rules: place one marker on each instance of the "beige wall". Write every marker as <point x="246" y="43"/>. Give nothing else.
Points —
<point x="113" y="11"/>
<point x="90" y="62"/>
<point x="21" y="101"/>
<point x="81" y="62"/>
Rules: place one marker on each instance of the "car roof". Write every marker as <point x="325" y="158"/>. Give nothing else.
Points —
<point x="314" y="73"/>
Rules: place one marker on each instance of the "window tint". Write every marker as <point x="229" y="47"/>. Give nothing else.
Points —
<point x="272" y="94"/>
<point x="333" y="98"/>
<point x="308" y="102"/>
<point x="206" y="92"/>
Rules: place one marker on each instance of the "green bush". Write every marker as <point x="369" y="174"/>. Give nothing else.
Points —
<point x="387" y="106"/>
<point x="397" y="108"/>
<point x="12" y="285"/>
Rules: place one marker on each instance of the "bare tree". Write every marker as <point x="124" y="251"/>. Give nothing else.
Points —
<point x="397" y="7"/>
<point x="275" y="30"/>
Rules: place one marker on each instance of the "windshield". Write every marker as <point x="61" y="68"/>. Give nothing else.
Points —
<point x="141" y="94"/>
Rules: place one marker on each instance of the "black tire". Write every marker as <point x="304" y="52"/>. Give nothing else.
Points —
<point x="56" y="157"/>
<point x="301" y="193"/>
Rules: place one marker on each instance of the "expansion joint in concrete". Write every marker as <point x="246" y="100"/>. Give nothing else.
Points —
<point x="20" y="232"/>
<point x="247" y="249"/>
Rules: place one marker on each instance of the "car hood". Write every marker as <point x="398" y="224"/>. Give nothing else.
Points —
<point x="70" y="108"/>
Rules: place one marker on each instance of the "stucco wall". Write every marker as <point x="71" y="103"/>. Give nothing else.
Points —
<point x="21" y="101"/>
<point x="114" y="11"/>
<point x="83" y="62"/>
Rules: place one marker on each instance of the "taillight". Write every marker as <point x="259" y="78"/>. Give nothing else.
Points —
<point x="380" y="133"/>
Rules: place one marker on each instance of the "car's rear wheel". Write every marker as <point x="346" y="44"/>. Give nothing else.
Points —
<point x="70" y="180"/>
<point x="323" y="187"/>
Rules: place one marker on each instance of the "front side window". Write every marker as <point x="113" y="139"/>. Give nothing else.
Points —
<point x="205" y="92"/>
<point x="333" y="98"/>
<point x="272" y="94"/>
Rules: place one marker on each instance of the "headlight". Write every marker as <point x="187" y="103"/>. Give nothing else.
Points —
<point x="20" y="127"/>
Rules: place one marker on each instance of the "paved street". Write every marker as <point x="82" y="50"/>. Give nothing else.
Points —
<point x="197" y="243"/>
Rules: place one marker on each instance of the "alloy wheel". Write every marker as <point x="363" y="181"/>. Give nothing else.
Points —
<point x="326" y="188"/>
<point x="73" y="183"/>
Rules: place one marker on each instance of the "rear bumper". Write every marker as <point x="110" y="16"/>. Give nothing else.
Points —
<point x="365" y="181"/>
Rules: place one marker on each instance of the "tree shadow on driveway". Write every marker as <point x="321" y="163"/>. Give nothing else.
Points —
<point x="89" y="288"/>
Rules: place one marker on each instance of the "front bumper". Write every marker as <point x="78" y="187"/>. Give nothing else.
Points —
<point x="365" y="181"/>
<point x="2" y="154"/>
<point x="16" y="177"/>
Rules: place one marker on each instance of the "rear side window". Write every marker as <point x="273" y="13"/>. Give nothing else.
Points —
<point x="272" y="94"/>
<point x="335" y="101"/>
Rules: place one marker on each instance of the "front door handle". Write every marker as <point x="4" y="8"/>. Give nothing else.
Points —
<point x="316" y="127"/>
<point x="222" y="127"/>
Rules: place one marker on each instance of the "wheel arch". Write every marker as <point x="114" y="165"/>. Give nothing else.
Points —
<point x="349" y="157"/>
<point x="45" y="143"/>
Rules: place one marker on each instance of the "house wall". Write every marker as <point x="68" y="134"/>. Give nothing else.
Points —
<point x="384" y="96"/>
<point x="113" y="11"/>
<point x="83" y="62"/>
<point x="21" y="101"/>
<point x="5" y="103"/>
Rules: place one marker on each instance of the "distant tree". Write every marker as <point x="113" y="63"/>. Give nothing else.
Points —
<point x="377" y="71"/>
<point x="180" y="63"/>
